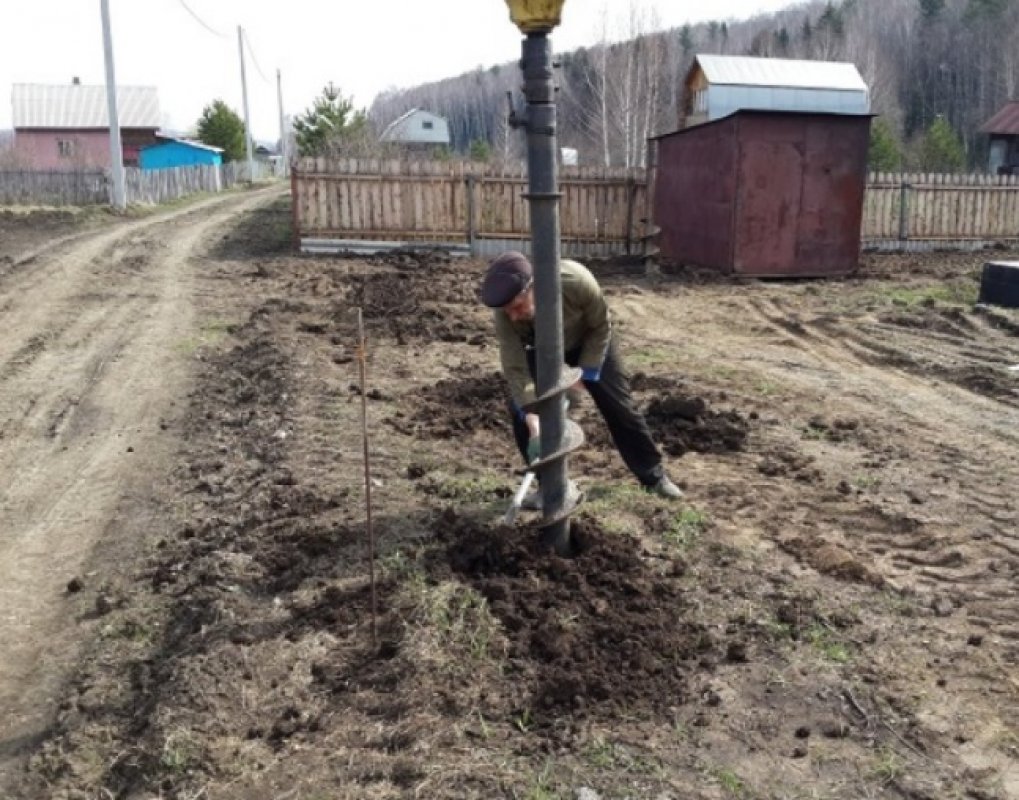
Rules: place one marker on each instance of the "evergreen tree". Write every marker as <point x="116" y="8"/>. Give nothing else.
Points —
<point x="782" y="40"/>
<point x="329" y="122"/>
<point x="219" y="126"/>
<point x="686" y="39"/>
<point x="832" y="19"/>
<point x="883" y="155"/>
<point x="941" y="149"/>
<point x="480" y="150"/>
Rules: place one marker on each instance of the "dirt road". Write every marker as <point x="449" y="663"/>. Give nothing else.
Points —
<point x="97" y="339"/>
<point x="830" y="613"/>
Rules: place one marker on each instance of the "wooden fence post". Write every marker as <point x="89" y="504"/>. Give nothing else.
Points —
<point x="903" y="210"/>
<point x="295" y="217"/>
<point x="631" y="197"/>
<point x="471" y="225"/>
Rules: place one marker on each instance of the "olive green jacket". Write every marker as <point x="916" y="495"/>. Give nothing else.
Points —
<point x="586" y="326"/>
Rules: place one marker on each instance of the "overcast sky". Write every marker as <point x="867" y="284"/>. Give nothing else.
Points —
<point x="362" y="46"/>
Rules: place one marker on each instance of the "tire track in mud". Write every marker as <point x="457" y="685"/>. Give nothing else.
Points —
<point x="962" y="542"/>
<point x="89" y="364"/>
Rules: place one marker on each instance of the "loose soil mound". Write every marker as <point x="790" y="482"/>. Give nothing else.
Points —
<point x="414" y="306"/>
<point x="680" y="424"/>
<point x="455" y="407"/>
<point x="599" y="631"/>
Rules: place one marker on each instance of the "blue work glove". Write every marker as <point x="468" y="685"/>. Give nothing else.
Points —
<point x="533" y="449"/>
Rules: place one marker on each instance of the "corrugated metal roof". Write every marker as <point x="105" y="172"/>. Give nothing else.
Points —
<point x="77" y="106"/>
<point x="1006" y="121"/>
<point x="187" y="142"/>
<point x="750" y="71"/>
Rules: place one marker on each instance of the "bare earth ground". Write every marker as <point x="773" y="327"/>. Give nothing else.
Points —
<point x="832" y="613"/>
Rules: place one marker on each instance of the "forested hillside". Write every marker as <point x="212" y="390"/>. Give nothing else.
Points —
<point x="937" y="69"/>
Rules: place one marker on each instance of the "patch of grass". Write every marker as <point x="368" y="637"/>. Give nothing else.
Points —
<point x="897" y="603"/>
<point x="473" y="490"/>
<point x="823" y="640"/>
<point x="603" y="754"/>
<point x="600" y="754"/>
<point x="778" y="630"/>
<point x="179" y="753"/>
<point x="816" y="432"/>
<point x="543" y="785"/>
<point x="686" y="527"/>
<point x="524" y="720"/>
<point x="867" y="481"/>
<point x="620" y="508"/>
<point x="483" y="730"/>
<point x="402" y="565"/>
<point x="649" y="356"/>
<point x="1007" y="740"/>
<point x="129" y="630"/>
<point x="617" y="497"/>
<point x="209" y="335"/>
<point x="953" y="293"/>
<point x="887" y="765"/>
<point x="730" y="781"/>
<point x="460" y="617"/>
<point x="723" y="372"/>
<point x="767" y="388"/>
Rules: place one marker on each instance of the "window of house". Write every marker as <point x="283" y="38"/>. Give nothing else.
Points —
<point x="426" y="125"/>
<point x="700" y="101"/>
<point x="65" y="148"/>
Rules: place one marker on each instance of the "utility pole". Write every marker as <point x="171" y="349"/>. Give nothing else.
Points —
<point x="119" y="198"/>
<point x="247" y="117"/>
<point x="283" y="131"/>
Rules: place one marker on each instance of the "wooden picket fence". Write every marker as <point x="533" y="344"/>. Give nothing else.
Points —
<point x="344" y="204"/>
<point x="146" y="187"/>
<point x="52" y="188"/>
<point x="936" y="208"/>
<point x="352" y="204"/>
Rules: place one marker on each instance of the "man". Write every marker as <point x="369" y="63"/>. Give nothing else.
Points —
<point x="588" y="343"/>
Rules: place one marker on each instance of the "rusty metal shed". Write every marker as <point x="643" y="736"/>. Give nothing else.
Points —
<point x="765" y="193"/>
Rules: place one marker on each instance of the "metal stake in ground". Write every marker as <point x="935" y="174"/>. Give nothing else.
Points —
<point x="537" y="20"/>
<point x="362" y="364"/>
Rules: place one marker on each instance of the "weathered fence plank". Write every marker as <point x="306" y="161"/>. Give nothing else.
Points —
<point x="457" y="203"/>
<point x="940" y="208"/>
<point x="601" y="209"/>
<point x="92" y="187"/>
<point x="79" y="188"/>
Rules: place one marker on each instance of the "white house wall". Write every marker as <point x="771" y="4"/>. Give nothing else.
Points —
<point x="412" y="130"/>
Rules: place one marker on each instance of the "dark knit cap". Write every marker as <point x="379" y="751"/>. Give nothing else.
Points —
<point x="507" y="276"/>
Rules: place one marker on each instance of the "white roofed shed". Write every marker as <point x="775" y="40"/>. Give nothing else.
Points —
<point x="417" y="127"/>
<point x="717" y="86"/>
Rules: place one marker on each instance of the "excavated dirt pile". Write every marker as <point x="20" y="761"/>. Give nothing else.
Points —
<point x="456" y="406"/>
<point x="599" y="631"/>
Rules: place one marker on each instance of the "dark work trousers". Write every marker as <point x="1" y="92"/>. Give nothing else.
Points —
<point x="612" y="396"/>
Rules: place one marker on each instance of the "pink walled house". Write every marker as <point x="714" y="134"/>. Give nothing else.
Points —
<point x="65" y="127"/>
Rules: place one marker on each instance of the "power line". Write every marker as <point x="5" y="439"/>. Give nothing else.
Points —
<point x="202" y="22"/>
<point x="254" y="60"/>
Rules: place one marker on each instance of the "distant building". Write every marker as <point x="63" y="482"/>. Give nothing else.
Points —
<point x="171" y="152"/>
<point x="67" y="127"/>
<point x="1003" y="127"/>
<point x="418" y="128"/>
<point x="717" y="86"/>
